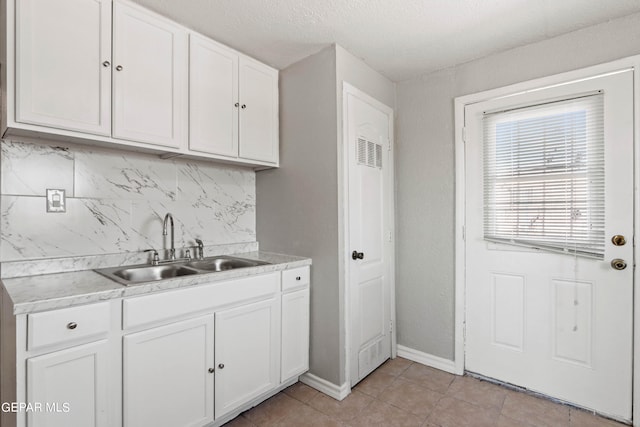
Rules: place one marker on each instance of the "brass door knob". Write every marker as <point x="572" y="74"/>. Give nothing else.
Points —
<point x="618" y="240"/>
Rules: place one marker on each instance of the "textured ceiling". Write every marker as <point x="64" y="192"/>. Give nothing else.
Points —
<point x="399" y="38"/>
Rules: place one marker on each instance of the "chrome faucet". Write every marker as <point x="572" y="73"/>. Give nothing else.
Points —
<point x="172" y="251"/>
<point x="200" y="251"/>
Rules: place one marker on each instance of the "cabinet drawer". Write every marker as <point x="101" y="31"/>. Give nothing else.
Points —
<point x="70" y="325"/>
<point x="295" y="278"/>
<point x="162" y="306"/>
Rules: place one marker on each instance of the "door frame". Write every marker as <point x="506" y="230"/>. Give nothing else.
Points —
<point x="632" y="63"/>
<point x="389" y="206"/>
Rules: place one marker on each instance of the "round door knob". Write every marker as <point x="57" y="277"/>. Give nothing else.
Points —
<point x="119" y="68"/>
<point x="618" y="240"/>
<point x="357" y="255"/>
<point x="244" y="106"/>
<point x="221" y="366"/>
<point x="298" y="277"/>
<point x="618" y="264"/>
<point x="237" y="104"/>
<point x="106" y="64"/>
<point x="211" y="370"/>
<point x="72" y="325"/>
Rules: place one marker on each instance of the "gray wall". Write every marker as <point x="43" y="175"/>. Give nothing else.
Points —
<point x="299" y="209"/>
<point x="425" y="167"/>
<point x="297" y="204"/>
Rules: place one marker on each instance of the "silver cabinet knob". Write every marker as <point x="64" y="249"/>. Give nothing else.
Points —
<point x="119" y="68"/>
<point x="244" y="106"/>
<point x="237" y="104"/>
<point x="72" y="325"/>
<point x="298" y="278"/>
<point x="211" y="370"/>
<point x="221" y="366"/>
<point x="106" y="64"/>
<point x="618" y="264"/>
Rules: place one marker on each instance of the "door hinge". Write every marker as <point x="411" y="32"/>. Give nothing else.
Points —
<point x="388" y="145"/>
<point x="464" y="134"/>
<point x="389" y="236"/>
<point x="391" y="326"/>
<point x="464" y="234"/>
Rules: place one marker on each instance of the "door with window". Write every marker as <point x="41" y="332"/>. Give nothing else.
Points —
<point x="549" y="241"/>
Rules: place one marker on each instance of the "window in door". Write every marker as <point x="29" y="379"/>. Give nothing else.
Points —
<point x="544" y="176"/>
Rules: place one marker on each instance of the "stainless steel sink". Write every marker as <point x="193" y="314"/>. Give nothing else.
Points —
<point x="221" y="263"/>
<point x="145" y="273"/>
<point x="148" y="273"/>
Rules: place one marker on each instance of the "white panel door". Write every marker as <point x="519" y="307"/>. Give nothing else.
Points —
<point x="149" y="77"/>
<point x="370" y="190"/>
<point x="556" y="323"/>
<point x="295" y="334"/>
<point x="71" y="387"/>
<point x="213" y="97"/>
<point x="168" y="375"/>
<point x="258" y="111"/>
<point x="63" y="70"/>
<point x="247" y="353"/>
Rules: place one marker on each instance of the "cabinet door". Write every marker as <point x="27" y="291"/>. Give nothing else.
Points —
<point x="258" y="111"/>
<point x="149" y="77"/>
<point x="166" y="378"/>
<point x="247" y="353"/>
<point x="61" y="47"/>
<point x="70" y="386"/>
<point x="213" y="97"/>
<point x="295" y="334"/>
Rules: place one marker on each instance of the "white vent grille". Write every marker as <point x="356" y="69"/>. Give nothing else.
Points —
<point x="362" y="151"/>
<point x="369" y="153"/>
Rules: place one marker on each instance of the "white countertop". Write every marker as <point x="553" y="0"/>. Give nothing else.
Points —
<point x="58" y="290"/>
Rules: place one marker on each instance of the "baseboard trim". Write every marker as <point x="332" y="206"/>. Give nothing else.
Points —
<point x="326" y="387"/>
<point x="428" y="359"/>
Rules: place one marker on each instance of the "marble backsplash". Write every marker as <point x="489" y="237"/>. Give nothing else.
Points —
<point x="116" y="201"/>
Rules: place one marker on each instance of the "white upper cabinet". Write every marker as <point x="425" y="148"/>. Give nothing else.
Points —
<point x="149" y="77"/>
<point x="63" y="64"/>
<point x="258" y="111"/>
<point x="112" y="72"/>
<point x="213" y="97"/>
<point x="233" y="103"/>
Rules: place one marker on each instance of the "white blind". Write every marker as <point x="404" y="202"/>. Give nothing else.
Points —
<point x="544" y="176"/>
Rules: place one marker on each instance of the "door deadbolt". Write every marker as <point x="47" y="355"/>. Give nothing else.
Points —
<point x="618" y="240"/>
<point x="618" y="264"/>
<point x="357" y="255"/>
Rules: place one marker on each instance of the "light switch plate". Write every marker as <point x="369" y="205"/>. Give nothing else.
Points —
<point x="56" y="201"/>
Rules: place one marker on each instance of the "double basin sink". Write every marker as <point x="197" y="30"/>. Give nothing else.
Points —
<point x="148" y="273"/>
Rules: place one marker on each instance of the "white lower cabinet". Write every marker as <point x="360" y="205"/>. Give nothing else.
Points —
<point x="196" y="356"/>
<point x="295" y="334"/>
<point x="69" y="387"/>
<point x="247" y="353"/>
<point x="168" y="375"/>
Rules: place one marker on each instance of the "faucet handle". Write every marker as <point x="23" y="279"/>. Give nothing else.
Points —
<point x="200" y="250"/>
<point x="156" y="258"/>
<point x="187" y="254"/>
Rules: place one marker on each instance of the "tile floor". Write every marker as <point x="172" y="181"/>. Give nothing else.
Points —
<point x="402" y="393"/>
